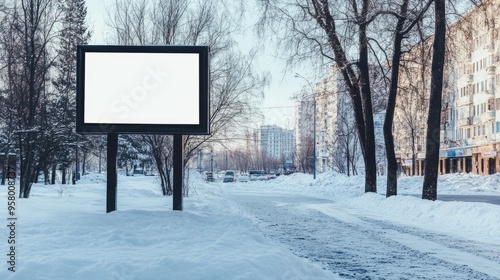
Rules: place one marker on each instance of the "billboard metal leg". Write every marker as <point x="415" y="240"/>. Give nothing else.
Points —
<point x="111" y="180"/>
<point x="178" y="171"/>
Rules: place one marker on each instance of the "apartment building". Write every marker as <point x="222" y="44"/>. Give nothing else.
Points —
<point x="277" y="143"/>
<point x="470" y="119"/>
<point x="330" y="98"/>
<point x="304" y="130"/>
<point x="327" y="117"/>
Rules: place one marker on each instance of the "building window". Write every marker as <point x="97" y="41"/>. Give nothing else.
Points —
<point x="491" y="104"/>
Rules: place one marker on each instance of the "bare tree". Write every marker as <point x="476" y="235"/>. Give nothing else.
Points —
<point x="341" y="35"/>
<point x="304" y="155"/>
<point x="29" y="59"/>
<point x="9" y="57"/>
<point x="161" y="147"/>
<point x="234" y="86"/>
<point x="412" y="104"/>
<point x="405" y="23"/>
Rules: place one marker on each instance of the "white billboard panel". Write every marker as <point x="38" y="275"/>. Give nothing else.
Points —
<point x="160" y="89"/>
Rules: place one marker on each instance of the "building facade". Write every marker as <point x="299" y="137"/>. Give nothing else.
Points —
<point x="470" y="118"/>
<point x="325" y="128"/>
<point x="277" y="143"/>
<point x="304" y="140"/>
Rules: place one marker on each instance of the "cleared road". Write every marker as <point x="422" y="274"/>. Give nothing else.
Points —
<point x="349" y="243"/>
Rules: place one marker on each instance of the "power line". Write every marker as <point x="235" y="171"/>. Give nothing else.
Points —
<point x="277" y="107"/>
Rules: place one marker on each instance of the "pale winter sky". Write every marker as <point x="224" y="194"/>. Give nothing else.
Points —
<point x="277" y="107"/>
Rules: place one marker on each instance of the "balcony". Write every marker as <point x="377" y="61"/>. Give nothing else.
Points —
<point x="470" y="78"/>
<point x="471" y="142"/>
<point x="488" y="116"/>
<point x="465" y="121"/>
<point x="465" y="100"/>
<point x="468" y="56"/>
<point x="489" y="92"/>
<point x="491" y="69"/>
<point x="481" y="140"/>
<point x="490" y="47"/>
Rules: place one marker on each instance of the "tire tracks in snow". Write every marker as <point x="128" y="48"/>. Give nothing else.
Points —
<point x="365" y="248"/>
<point x="461" y="254"/>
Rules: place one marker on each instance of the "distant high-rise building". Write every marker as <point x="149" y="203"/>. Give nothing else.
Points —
<point x="277" y="143"/>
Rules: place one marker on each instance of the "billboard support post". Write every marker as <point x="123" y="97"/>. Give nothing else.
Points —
<point x="178" y="171"/>
<point x="111" y="180"/>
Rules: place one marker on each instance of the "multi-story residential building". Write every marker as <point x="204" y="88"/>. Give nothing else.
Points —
<point x="470" y="130"/>
<point x="328" y="116"/>
<point x="304" y="129"/>
<point x="331" y="117"/>
<point x="277" y="143"/>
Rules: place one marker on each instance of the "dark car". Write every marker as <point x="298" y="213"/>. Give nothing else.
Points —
<point x="229" y="177"/>
<point x="209" y="176"/>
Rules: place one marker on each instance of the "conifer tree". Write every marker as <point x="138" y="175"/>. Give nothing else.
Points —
<point x="74" y="32"/>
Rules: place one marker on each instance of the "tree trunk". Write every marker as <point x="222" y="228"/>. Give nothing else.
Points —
<point x="168" y="178"/>
<point x="392" y="164"/>
<point x="63" y="176"/>
<point x="429" y="190"/>
<point x="5" y="165"/>
<point x="84" y="161"/>
<point x="46" y="175"/>
<point x="348" y="157"/>
<point x="370" y="158"/>
<point x="53" y="174"/>
<point x="161" y="172"/>
<point x="413" y="152"/>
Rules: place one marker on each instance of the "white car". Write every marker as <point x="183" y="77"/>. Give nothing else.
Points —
<point x="243" y="178"/>
<point x="257" y="175"/>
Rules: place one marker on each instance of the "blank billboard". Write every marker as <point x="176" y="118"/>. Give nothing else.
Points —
<point x="143" y="89"/>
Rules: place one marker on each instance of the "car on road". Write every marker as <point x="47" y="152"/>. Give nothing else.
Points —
<point x="243" y="178"/>
<point x="257" y="175"/>
<point x="209" y="176"/>
<point x="229" y="177"/>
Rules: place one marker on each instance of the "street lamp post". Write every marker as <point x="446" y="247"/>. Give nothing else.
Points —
<point x="314" y="138"/>
<point x="297" y="75"/>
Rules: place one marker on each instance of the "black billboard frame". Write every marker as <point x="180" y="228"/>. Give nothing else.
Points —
<point x="113" y="130"/>
<point x="203" y="128"/>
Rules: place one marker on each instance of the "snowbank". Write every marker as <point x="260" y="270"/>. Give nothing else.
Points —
<point x="64" y="233"/>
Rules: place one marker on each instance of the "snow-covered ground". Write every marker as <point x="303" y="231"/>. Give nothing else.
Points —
<point x="292" y="227"/>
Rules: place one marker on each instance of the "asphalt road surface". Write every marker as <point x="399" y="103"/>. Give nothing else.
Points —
<point x="359" y="246"/>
